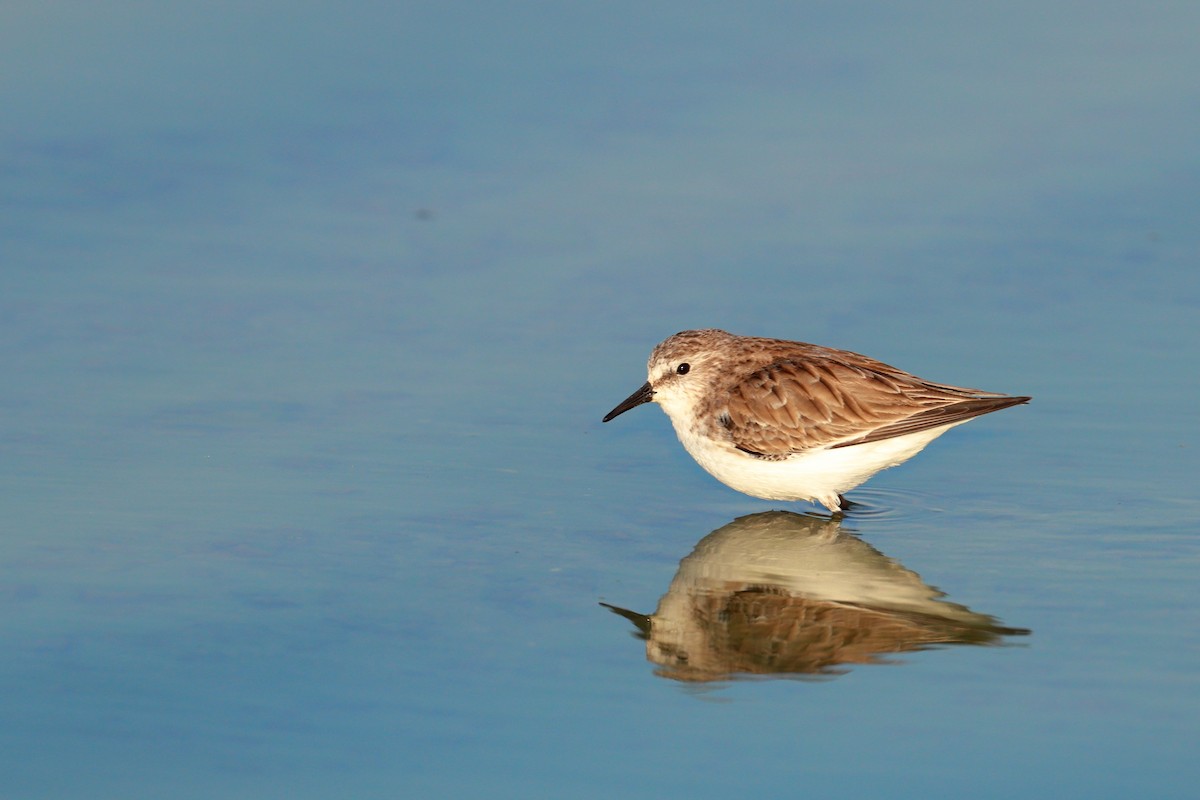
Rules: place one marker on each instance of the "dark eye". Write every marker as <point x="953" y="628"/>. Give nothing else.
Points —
<point x="682" y="369"/>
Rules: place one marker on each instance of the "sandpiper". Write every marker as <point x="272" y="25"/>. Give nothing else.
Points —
<point x="787" y="420"/>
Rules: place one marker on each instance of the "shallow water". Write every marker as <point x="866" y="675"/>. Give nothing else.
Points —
<point x="309" y="321"/>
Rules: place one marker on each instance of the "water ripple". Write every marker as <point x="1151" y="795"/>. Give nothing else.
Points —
<point x="878" y="503"/>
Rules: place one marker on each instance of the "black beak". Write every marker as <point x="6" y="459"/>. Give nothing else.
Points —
<point x="642" y="395"/>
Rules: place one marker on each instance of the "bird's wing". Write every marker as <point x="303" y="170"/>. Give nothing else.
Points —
<point x="798" y="404"/>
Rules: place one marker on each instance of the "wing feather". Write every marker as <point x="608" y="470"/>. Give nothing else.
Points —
<point x="823" y="400"/>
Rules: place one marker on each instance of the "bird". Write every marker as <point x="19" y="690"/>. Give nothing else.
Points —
<point x="785" y="420"/>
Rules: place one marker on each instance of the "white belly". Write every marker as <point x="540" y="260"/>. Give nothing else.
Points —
<point x="819" y="475"/>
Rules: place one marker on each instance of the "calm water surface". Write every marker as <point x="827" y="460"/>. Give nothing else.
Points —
<point x="309" y="319"/>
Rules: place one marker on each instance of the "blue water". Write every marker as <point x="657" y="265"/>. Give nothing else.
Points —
<point x="308" y="318"/>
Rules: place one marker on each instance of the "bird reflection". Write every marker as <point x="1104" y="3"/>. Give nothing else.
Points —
<point x="788" y="594"/>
